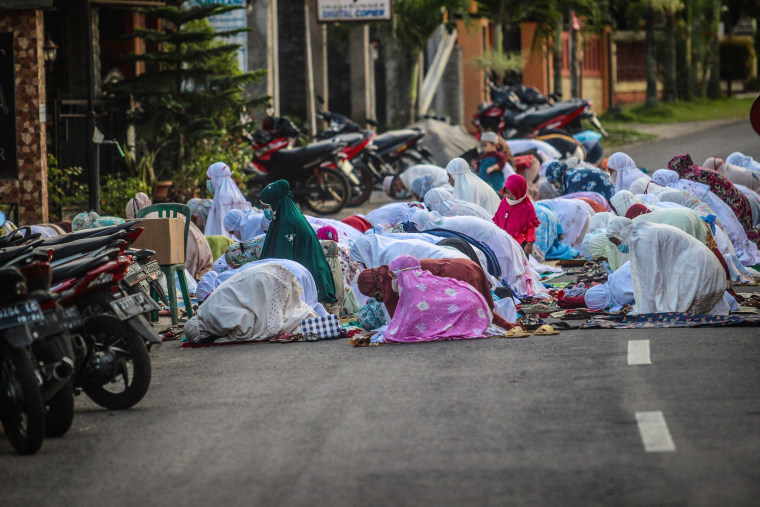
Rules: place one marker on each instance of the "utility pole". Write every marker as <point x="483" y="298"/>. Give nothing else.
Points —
<point x="93" y="169"/>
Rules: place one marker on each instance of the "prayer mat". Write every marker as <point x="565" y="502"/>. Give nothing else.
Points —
<point x="674" y="319"/>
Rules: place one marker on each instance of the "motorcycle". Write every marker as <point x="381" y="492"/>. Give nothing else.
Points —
<point x="512" y="118"/>
<point x="313" y="182"/>
<point x="111" y="361"/>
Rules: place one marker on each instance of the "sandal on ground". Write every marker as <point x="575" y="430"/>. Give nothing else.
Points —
<point x="516" y="332"/>
<point x="545" y="330"/>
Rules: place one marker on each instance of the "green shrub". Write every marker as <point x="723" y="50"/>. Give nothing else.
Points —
<point x="65" y="188"/>
<point x="116" y="192"/>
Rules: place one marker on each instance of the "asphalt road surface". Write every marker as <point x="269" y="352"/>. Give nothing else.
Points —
<point x="602" y="417"/>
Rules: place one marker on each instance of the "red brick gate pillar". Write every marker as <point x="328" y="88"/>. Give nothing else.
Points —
<point x="28" y="188"/>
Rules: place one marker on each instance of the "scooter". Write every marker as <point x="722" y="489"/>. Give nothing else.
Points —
<point x="321" y="188"/>
<point x="510" y="117"/>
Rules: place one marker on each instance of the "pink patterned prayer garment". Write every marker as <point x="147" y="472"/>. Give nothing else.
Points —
<point x="434" y="308"/>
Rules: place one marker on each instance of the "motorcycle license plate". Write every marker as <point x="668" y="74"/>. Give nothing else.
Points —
<point x="134" y="304"/>
<point x="20" y="313"/>
<point x="135" y="274"/>
<point x="153" y="270"/>
<point x="58" y="321"/>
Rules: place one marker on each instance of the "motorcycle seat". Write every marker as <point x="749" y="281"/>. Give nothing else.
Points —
<point x="536" y="117"/>
<point x="350" y="138"/>
<point x="396" y="137"/>
<point x="77" y="267"/>
<point x="9" y="253"/>
<point x="83" y="246"/>
<point x="88" y="233"/>
<point x="313" y="153"/>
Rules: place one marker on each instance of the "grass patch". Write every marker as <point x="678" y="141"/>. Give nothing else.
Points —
<point x="619" y="136"/>
<point x="699" y="109"/>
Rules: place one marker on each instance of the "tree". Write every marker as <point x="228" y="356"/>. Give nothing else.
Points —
<point x="192" y="91"/>
<point x="669" y="9"/>
<point x="414" y="21"/>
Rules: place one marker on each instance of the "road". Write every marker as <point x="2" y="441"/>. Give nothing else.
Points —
<point x="535" y="421"/>
<point x="701" y="140"/>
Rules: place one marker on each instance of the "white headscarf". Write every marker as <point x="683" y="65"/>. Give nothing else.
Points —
<point x="244" y="224"/>
<point x="374" y="250"/>
<point x="735" y="174"/>
<point x="745" y="161"/>
<point x="574" y="215"/>
<point x="674" y="272"/>
<point x="622" y="201"/>
<point x="469" y="187"/>
<point x="387" y="215"/>
<point x="620" y="228"/>
<point x="255" y="304"/>
<point x="227" y="196"/>
<point x="625" y="171"/>
<point x="443" y="202"/>
<point x="206" y="285"/>
<point x="639" y="186"/>
<point x="437" y="174"/>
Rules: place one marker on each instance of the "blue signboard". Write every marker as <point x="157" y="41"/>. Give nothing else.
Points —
<point x="231" y="21"/>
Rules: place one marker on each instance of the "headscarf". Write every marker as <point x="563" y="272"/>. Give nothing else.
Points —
<point x="737" y="158"/>
<point x="442" y="202"/>
<point x="738" y="175"/>
<point x="387" y="182"/>
<point x="206" y="285"/>
<point x="637" y="210"/>
<point x="548" y="235"/>
<point x="623" y="200"/>
<point x="244" y="225"/>
<point x="425" y="219"/>
<point x="720" y="186"/>
<point x="641" y="185"/>
<point x="255" y="304"/>
<point x="199" y="209"/>
<point x="359" y="223"/>
<point x="520" y="218"/>
<point x="227" y="196"/>
<point x="469" y="187"/>
<point x="421" y="185"/>
<point x="92" y="220"/>
<point x="579" y="179"/>
<point x="597" y="246"/>
<point x="665" y="177"/>
<point x="620" y="228"/>
<point x="598" y="297"/>
<point x="327" y="232"/>
<point x="372" y="281"/>
<point x="135" y="204"/>
<point x="625" y="170"/>
<point x="434" y="308"/>
<point x="291" y="237"/>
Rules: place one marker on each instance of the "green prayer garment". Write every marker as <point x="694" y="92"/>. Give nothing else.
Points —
<point x="291" y="237"/>
<point x="219" y="245"/>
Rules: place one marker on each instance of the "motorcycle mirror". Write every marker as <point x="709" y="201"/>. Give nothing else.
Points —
<point x="2" y="219"/>
<point x="320" y="100"/>
<point x="371" y="122"/>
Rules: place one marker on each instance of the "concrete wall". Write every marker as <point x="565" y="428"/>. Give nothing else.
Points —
<point x="29" y="190"/>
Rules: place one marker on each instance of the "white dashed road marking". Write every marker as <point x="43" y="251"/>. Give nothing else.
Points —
<point x="654" y="432"/>
<point x="638" y="352"/>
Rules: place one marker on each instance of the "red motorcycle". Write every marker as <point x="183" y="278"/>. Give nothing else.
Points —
<point x="511" y="117"/>
<point x="312" y="170"/>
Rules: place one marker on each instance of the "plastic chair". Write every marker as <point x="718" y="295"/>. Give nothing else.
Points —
<point x="173" y="210"/>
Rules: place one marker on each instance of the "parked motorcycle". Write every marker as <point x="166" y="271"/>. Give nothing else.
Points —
<point x="313" y="182"/>
<point x="111" y="362"/>
<point x="508" y="115"/>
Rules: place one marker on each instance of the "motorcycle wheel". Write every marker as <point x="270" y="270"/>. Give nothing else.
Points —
<point x="325" y="191"/>
<point x="60" y="412"/>
<point x="111" y="336"/>
<point x="21" y="403"/>
<point x="360" y="193"/>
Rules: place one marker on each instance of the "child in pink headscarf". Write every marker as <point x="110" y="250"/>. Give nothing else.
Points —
<point x="516" y="214"/>
<point x="434" y="308"/>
